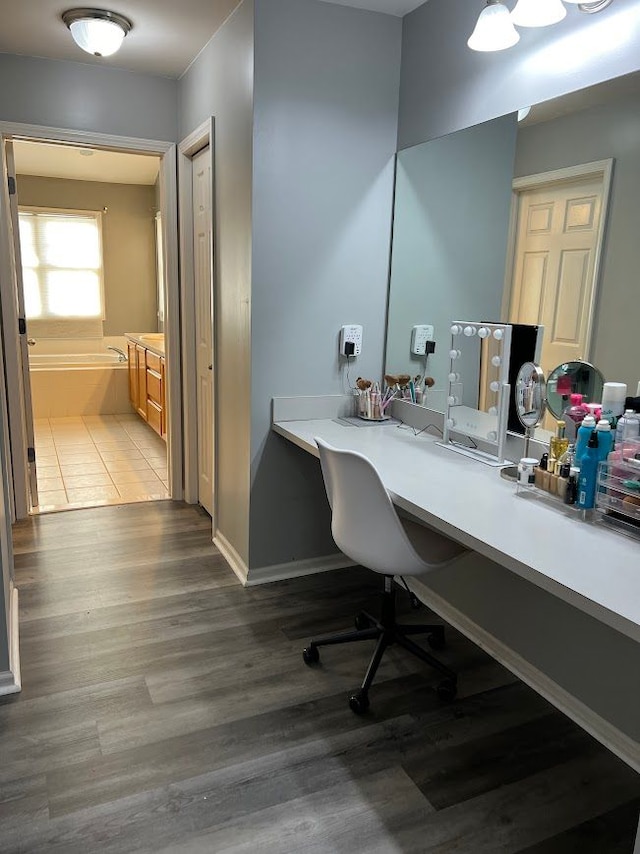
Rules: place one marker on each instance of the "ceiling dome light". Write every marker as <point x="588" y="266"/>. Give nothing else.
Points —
<point x="494" y="29"/>
<point x="523" y="112"/>
<point x="538" y="13"/>
<point x="97" y="31"/>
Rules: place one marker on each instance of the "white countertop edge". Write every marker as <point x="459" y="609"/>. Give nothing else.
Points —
<point x="148" y="345"/>
<point x="626" y="624"/>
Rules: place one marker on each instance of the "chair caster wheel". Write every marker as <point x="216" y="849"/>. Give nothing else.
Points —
<point x="447" y="690"/>
<point x="359" y="702"/>
<point x="436" y="641"/>
<point x="310" y="655"/>
<point x="362" y="622"/>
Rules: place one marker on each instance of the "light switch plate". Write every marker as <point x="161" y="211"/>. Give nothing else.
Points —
<point x="419" y="337"/>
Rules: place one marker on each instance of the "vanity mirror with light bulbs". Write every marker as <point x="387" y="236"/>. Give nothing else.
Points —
<point x="532" y="224"/>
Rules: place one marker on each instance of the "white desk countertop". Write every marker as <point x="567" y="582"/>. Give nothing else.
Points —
<point x="588" y="565"/>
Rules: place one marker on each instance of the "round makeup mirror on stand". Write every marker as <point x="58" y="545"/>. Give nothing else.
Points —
<point x="530" y="394"/>
<point x="573" y="378"/>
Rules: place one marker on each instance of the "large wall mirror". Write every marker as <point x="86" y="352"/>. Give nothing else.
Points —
<point x="532" y="222"/>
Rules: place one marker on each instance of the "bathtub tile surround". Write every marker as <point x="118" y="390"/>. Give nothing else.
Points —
<point x="98" y="459"/>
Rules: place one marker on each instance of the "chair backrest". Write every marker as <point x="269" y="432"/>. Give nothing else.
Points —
<point x="364" y="521"/>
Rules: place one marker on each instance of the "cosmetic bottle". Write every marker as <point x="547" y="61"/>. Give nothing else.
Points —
<point x="605" y="439"/>
<point x="527" y="471"/>
<point x="584" y="434"/>
<point x="628" y="427"/>
<point x="563" y="480"/>
<point x="594" y="409"/>
<point x="569" y="455"/>
<point x="571" y="493"/>
<point x="573" y="416"/>
<point x="552" y="478"/>
<point x="613" y="396"/>
<point x="559" y="443"/>
<point x="542" y="475"/>
<point x="588" y="474"/>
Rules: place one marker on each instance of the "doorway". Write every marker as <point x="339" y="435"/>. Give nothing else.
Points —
<point x="88" y="444"/>
<point x="87" y="234"/>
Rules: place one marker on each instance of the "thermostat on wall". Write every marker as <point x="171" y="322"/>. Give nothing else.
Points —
<point x="351" y="340"/>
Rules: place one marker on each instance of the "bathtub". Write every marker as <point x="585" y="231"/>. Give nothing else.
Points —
<point x="68" y="384"/>
<point x="62" y="361"/>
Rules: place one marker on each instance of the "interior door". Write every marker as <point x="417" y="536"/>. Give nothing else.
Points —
<point x="554" y="281"/>
<point x="202" y="242"/>
<point x="14" y="331"/>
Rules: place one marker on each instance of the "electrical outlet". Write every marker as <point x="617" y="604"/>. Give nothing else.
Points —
<point x="351" y="340"/>
<point x="419" y="337"/>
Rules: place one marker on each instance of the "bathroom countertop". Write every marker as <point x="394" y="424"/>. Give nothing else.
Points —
<point x="149" y="340"/>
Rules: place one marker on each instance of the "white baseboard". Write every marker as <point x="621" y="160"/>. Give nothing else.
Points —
<point x="297" y="569"/>
<point x="607" y="734"/>
<point x="231" y="556"/>
<point x="10" y="681"/>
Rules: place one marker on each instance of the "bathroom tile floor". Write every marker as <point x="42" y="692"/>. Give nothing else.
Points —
<point x="93" y="460"/>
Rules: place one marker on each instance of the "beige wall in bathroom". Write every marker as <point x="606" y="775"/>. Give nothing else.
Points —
<point x="128" y="239"/>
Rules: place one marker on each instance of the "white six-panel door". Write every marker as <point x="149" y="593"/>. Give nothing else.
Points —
<point x="202" y="225"/>
<point x="557" y="244"/>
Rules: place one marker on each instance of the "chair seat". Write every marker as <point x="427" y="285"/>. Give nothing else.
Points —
<point x="431" y="546"/>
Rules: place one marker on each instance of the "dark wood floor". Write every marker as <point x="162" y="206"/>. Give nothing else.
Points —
<point x="167" y="709"/>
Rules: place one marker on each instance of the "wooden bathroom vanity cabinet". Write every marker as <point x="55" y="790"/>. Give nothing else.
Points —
<point x="147" y="379"/>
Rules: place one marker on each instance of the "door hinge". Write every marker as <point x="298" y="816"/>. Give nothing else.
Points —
<point x="31" y="455"/>
<point x="22" y="326"/>
<point x="11" y="181"/>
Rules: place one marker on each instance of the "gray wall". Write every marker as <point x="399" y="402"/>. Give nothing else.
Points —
<point x="446" y="87"/>
<point x="220" y="83"/>
<point x="451" y="220"/>
<point x="608" y="130"/>
<point x="79" y="96"/>
<point x="128" y="243"/>
<point x="326" y="100"/>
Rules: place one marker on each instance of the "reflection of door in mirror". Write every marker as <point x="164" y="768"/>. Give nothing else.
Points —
<point x="557" y="243"/>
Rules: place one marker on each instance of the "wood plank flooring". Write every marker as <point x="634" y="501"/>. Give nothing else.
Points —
<point x="167" y="709"/>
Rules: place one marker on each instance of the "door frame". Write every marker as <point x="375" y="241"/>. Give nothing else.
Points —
<point x="166" y="150"/>
<point x="202" y="136"/>
<point x="597" y="169"/>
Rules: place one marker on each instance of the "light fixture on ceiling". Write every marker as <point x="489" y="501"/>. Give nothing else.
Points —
<point x="494" y="29"/>
<point x="97" y="31"/>
<point x="538" y="13"/>
<point x="523" y="112"/>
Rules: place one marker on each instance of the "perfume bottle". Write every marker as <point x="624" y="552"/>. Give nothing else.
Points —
<point x="559" y="443"/>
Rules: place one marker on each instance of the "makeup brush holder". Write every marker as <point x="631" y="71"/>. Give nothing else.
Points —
<point x="369" y="406"/>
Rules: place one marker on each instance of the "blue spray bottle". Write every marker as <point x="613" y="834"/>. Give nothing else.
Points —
<point x="584" y="434"/>
<point x="588" y="474"/>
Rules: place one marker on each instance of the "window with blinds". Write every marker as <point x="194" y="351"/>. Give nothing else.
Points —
<point x="61" y="264"/>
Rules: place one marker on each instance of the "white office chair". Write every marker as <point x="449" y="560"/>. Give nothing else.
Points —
<point x="367" y="529"/>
